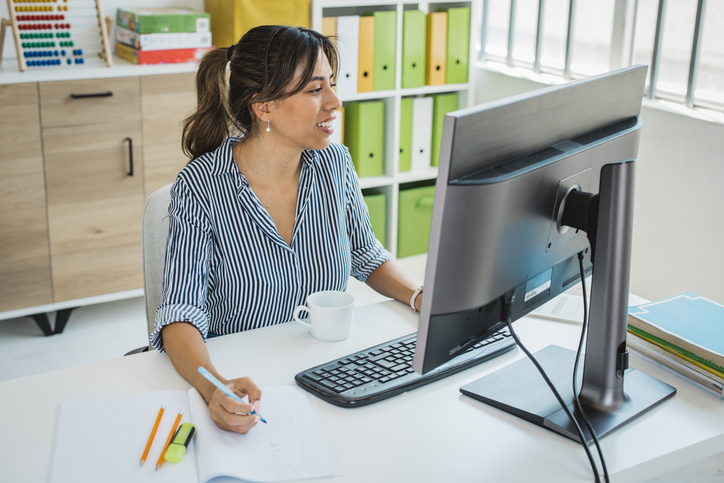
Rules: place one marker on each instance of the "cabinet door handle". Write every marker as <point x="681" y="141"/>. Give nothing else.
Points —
<point x="130" y="156"/>
<point x="86" y="96"/>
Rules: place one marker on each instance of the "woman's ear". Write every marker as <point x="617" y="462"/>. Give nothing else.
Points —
<point x="261" y="109"/>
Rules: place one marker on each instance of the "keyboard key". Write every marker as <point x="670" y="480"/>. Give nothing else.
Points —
<point x="326" y="383"/>
<point x="386" y="364"/>
<point x="399" y="367"/>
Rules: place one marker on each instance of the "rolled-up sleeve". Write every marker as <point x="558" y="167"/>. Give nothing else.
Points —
<point x="367" y="252"/>
<point x="186" y="273"/>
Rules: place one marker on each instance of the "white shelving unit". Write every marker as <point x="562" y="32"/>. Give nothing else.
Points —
<point x="389" y="183"/>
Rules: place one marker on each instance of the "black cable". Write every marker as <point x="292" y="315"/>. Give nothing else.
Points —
<point x="575" y="369"/>
<point x="509" y="321"/>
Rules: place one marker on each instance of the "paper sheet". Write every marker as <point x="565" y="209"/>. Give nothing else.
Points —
<point x="565" y="308"/>
<point x="103" y="440"/>
<point x="293" y="445"/>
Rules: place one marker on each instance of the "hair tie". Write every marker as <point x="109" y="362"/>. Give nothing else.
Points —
<point x="230" y="51"/>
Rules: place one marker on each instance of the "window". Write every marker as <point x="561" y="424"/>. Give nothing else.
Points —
<point x="709" y="88"/>
<point x="680" y="41"/>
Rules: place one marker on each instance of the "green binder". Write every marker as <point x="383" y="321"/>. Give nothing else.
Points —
<point x="384" y="57"/>
<point x="414" y="34"/>
<point x="441" y="105"/>
<point x="377" y="207"/>
<point x="406" y="133"/>
<point x="364" y="134"/>
<point x="415" y="218"/>
<point x="458" y="45"/>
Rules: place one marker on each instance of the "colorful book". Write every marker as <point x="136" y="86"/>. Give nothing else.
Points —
<point x="687" y="323"/>
<point x="180" y="40"/>
<point x="162" y="20"/>
<point x="172" y="56"/>
<point x="673" y="363"/>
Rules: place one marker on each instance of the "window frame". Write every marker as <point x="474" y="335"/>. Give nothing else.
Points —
<point x="622" y="46"/>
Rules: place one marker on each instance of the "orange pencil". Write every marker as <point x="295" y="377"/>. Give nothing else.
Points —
<point x="168" y="441"/>
<point x="153" y="434"/>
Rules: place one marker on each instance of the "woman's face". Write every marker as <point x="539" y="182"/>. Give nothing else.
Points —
<point x="304" y="120"/>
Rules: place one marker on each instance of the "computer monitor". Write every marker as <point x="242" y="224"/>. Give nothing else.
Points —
<point x="525" y="184"/>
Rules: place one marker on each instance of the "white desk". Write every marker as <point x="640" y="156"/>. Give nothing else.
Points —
<point x="431" y="434"/>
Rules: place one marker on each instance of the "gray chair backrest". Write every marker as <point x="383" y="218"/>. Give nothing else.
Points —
<point x="154" y="234"/>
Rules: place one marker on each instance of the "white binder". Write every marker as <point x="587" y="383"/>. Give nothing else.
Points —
<point x="348" y="47"/>
<point x="421" y="132"/>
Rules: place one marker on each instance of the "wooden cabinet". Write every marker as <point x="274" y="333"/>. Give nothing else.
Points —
<point x="24" y="255"/>
<point x="77" y="161"/>
<point x="89" y="101"/>
<point x="166" y="100"/>
<point x="94" y="172"/>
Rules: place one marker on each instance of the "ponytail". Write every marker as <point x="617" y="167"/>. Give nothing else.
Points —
<point x="209" y="125"/>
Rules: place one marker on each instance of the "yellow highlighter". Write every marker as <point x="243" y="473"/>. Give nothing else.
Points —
<point x="177" y="449"/>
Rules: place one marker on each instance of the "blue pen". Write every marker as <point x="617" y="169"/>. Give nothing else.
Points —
<point x="224" y="389"/>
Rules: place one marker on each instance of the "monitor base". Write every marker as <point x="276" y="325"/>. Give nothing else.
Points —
<point x="520" y="390"/>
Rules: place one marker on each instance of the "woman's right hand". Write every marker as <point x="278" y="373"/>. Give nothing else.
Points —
<point x="231" y="415"/>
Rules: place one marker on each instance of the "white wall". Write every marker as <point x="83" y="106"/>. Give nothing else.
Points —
<point x="679" y="203"/>
<point x="109" y="9"/>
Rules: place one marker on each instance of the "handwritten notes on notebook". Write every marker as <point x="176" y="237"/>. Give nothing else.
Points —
<point x="103" y="439"/>
<point x="293" y="445"/>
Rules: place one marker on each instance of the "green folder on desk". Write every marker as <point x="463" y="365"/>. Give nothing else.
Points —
<point x="384" y="58"/>
<point x="414" y="35"/>
<point x="441" y="105"/>
<point x="364" y="130"/>
<point x="406" y="132"/>
<point x="458" y="45"/>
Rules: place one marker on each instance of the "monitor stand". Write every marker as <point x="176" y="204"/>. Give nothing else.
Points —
<point x="520" y="390"/>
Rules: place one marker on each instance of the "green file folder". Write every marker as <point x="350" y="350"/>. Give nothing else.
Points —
<point x="441" y="105"/>
<point x="406" y="133"/>
<point x="458" y="45"/>
<point x="364" y="134"/>
<point x="384" y="57"/>
<point x="377" y="207"/>
<point x="415" y="218"/>
<point x="414" y="31"/>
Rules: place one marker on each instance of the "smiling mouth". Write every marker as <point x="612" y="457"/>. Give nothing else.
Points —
<point x="327" y="124"/>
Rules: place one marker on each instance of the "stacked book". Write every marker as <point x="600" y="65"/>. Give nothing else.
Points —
<point x="162" y="35"/>
<point x="684" y="335"/>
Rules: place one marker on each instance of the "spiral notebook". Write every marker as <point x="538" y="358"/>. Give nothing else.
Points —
<point x="103" y="440"/>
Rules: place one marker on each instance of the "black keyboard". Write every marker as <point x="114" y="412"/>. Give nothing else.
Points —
<point x="385" y="370"/>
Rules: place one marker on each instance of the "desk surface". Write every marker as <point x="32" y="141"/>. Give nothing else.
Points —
<point x="430" y="434"/>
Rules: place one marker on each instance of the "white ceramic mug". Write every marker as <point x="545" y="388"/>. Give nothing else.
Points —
<point x="330" y="315"/>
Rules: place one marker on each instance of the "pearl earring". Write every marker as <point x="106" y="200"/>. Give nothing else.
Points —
<point x="268" y="129"/>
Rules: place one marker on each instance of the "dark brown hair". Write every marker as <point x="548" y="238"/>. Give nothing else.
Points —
<point x="262" y="66"/>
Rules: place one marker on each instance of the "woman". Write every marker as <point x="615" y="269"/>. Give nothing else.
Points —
<point x="259" y="221"/>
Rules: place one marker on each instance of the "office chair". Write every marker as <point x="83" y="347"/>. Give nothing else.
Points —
<point x="154" y="235"/>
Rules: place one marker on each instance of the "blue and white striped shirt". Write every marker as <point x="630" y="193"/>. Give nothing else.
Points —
<point x="228" y="269"/>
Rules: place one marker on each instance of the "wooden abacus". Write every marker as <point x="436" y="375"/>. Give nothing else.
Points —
<point x="44" y="29"/>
